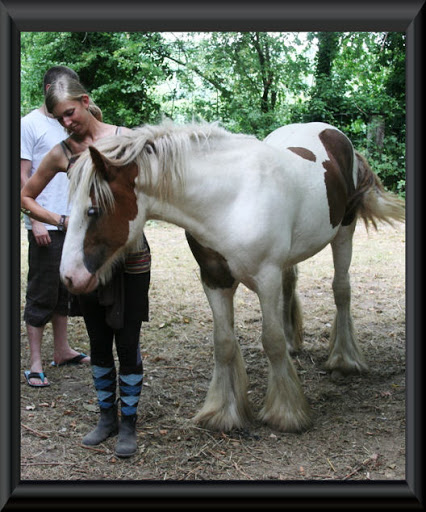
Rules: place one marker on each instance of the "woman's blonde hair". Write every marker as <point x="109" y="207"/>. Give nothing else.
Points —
<point x="66" y="88"/>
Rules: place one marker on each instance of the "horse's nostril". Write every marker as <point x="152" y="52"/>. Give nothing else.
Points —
<point x="68" y="281"/>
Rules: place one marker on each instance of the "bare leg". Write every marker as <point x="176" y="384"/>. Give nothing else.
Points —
<point x="62" y="351"/>
<point x="35" y="335"/>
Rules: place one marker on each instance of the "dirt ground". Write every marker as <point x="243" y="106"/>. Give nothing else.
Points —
<point x="358" y="430"/>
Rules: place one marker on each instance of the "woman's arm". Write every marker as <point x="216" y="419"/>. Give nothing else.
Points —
<point x="41" y="234"/>
<point x="54" y="162"/>
<point x="25" y="171"/>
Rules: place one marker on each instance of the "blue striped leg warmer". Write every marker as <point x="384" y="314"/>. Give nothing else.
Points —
<point x="105" y="380"/>
<point x="130" y="391"/>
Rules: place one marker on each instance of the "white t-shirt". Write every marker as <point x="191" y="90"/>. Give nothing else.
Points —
<point x="39" y="134"/>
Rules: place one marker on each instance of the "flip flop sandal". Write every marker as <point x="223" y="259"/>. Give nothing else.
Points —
<point x="36" y="375"/>
<point x="73" y="361"/>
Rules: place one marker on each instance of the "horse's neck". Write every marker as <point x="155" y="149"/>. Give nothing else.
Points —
<point x="190" y="206"/>
<point x="161" y="210"/>
<point x="182" y="208"/>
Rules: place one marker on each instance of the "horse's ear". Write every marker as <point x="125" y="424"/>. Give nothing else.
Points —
<point x="101" y="164"/>
<point x="150" y="147"/>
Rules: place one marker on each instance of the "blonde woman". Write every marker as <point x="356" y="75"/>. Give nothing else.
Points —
<point x="115" y="311"/>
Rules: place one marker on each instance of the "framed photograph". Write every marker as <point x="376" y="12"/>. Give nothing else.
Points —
<point x="18" y="16"/>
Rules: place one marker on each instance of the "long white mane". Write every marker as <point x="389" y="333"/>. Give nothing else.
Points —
<point x="170" y="145"/>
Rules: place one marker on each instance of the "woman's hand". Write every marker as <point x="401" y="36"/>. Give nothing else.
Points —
<point x="41" y="234"/>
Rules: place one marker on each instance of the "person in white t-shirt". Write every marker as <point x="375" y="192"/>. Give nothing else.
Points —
<point x="46" y="297"/>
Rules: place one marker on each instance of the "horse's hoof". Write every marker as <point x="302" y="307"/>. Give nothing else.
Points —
<point x="342" y="374"/>
<point x="337" y="376"/>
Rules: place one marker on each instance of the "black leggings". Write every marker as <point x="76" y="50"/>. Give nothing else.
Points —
<point x="127" y="338"/>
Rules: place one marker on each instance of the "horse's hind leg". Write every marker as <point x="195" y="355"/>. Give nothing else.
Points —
<point x="226" y="405"/>
<point x="292" y="310"/>
<point x="345" y="355"/>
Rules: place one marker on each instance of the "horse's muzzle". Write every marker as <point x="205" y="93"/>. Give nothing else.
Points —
<point x="80" y="284"/>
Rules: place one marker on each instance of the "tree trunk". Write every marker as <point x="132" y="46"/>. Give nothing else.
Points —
<point x="376" y="132"/>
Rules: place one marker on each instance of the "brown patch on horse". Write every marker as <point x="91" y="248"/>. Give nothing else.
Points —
<point x="109" y="231"/>
<point x="214" y="268"/>
<point x="304" y="153"/>
<point x="338" y="176"/>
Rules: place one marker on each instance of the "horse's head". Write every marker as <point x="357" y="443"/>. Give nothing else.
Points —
<point x="105" y="220"/>
<point x="112" y="189"/>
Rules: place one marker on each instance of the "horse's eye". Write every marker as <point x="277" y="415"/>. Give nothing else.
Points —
<point x="93" y="211"/>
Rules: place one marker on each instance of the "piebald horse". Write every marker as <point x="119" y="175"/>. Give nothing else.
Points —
<point x="252" y="210"/>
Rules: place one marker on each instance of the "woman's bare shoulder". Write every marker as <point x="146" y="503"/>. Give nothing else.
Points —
<point x="56" y="159"/>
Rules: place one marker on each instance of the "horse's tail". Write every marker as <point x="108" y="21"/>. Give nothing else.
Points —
<point x="373" y="202"/>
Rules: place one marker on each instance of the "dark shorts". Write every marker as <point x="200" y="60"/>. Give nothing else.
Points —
<point x="46" y="295"/>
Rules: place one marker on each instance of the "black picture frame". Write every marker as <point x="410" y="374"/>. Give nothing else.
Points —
<point x="140" y="15"/>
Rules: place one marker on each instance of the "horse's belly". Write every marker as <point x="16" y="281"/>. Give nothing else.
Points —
<point x="310" y="234"/>
<point x="302" y="252"/>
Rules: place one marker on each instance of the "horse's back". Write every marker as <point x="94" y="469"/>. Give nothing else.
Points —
<point x="304" y="135"/>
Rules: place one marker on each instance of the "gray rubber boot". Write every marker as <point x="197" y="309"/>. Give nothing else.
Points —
<point x="107" y="426"/>
<point x="126" y="444"/>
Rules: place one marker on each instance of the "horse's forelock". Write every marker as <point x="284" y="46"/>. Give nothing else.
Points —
<point x="78" y="174"/>
<point x="84" y="180"/>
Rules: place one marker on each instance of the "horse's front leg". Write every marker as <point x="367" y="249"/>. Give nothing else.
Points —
<point x="285" y="405"/>
<point x="345" y="355"/>
<point x="226" y="405"/>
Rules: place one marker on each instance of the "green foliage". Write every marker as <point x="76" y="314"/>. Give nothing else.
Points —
<point x="251" y="82"/>
<point x="359" y="76"/>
